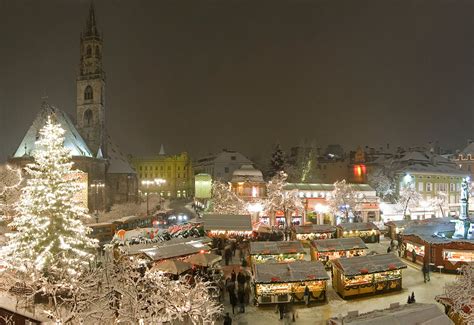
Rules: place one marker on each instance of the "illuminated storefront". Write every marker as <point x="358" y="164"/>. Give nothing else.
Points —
<point x="331" y="249"/>
<point x="312" y="232"/>
<point x="372" y="274"/>
<point x="282" y="282"/>
<point x="277" y="252"/>
<point x="367" y="231"/>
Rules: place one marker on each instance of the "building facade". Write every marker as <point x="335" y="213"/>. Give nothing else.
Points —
<point x="176" y="170"/>
<point x="248" y="184"/>
<point x="222" y="165"/>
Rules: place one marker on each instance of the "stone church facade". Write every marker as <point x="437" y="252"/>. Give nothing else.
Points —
<point x="92" y="148"/>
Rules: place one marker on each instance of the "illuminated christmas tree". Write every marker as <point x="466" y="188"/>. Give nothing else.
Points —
<point x="50" y="237"/>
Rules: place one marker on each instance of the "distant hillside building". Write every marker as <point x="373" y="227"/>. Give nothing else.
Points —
<point x="176" y="170"/>
<point x="92" y="149"/>
<point x="222" y="165"/>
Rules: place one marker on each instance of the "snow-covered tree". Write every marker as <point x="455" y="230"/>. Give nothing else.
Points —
<point x="440" y="201"/>
<point x="408" y="198"/>
<point x="10" y="190"/>
<point x="279" y="199"/>
<point x="148" y="297"/>
<point x="224" y="201"/>
<point x="382" y="184"/>
<point x="278" y="161"/>
<point x="458" y="296"/>
<point x="50" y="236"/>
<point x="343" y="200"/>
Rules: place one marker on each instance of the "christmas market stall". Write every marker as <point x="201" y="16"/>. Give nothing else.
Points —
<point x="368" y="231"/>
<point x="371" y="274"/>
<point x="227" y="225"/>
<point x="396" y="228"/>
<point x="326" y="250"/>
<point x="433" y="245"/>
<point x="279" y="282"/>
<point x="276" y="251"/>
<point x="312" y="232"/>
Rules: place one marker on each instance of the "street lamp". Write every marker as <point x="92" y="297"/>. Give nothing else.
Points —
<point x="96" y="185"/>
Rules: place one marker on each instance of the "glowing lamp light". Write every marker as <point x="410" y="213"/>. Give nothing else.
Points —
<point x="407" y="179"/>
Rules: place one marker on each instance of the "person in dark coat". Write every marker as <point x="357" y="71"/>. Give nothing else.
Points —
<point x="241" y="279"/>
<point x="233" y="276"/>
<point x="227" y="319"/>
<point x="233" y="301"/>
<point x="281" y="309"/>
<point x="426" y="272"/>
<point x="306" y="295"/>
<point x="241" y="296"/>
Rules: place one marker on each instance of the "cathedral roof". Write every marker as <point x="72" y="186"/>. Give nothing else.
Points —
<point x="118" y="162"/>
<point x="72" y="141"/>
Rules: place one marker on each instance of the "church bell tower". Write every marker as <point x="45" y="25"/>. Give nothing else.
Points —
<point x="90" y="85"/>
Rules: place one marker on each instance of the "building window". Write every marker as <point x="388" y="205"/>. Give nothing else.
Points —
<point x="226" y="170"/>
<point x="420" y="187"/>
<point x="89" y="51"/>
<point x="179" y="175"/>
<point x="88" y="117"/>
<point x="452" y="187"/>
<point x="232" y="157"/>
<point x="156" y="167"/>
<point x="140" y="167"/>
<point x="88" y="94"/>
<point x="97" y="51"/>
<point x="169" y="167"/>
<point x="178" y="168"/>
<point x="429" y="187"/>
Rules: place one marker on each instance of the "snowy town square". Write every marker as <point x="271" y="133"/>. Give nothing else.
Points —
<point x="236" y="162"/>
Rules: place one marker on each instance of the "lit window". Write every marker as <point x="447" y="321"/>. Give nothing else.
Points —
<point x="429" y="187"/>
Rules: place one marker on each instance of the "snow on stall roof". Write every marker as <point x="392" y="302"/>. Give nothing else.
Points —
<point x="408" y="314"/>
<point x="72" y="141"/>
<point x="325" y="187"/>
<point x="369" y="264"/>
<point x="297" y="271"/>
<point x="118" y="162"/>
<point x="228" y="222"/>
<point x="138" y="248"/>
<point x="357" y="226"/>
<point x="314" y="229"/>
<point x="276" y="247"/>
<point x="339" y="244"/>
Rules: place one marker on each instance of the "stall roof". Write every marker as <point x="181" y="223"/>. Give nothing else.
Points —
<point x="339" y="244"/>
<point x="412" y="314"/>
<point x="290" y="272"/>
<point x="400" y="223"/>
<point x="369" y="264"/>
<point x="435" y="233"/>
<point x="357" y="226"/>
<point x="138" y="248"/>
<point x="276" y="247"/>
<point x="228" y="222"/>
<point x="314" y="229"/>
<point x="174" y="250"/>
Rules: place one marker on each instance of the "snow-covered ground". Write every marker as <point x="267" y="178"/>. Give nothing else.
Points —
<point x="318" y="314"/>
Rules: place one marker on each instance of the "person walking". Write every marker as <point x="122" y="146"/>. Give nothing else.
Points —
<point x="233" y="301"/>
<point x="233" y="276"/>
<point x="426" y="272"/>
<point x="306" y="296"/>
<point x="227" y="319"/>
<point x="281" y="309"/>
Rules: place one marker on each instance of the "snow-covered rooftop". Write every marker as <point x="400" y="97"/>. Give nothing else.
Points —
<point x="73" y="139"/>
<point x="247" y="173"/>
<point x="118" y="162"/>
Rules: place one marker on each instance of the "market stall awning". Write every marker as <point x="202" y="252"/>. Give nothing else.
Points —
<point x="227" y="222"/>
<point x="360" y="226"/>
<point x="315" y="229"/>
<point x="298" y="271"/>
<point x="172" y="267"/>
<point x="339" y="244"/>
<point x="276" y="247"/>
<point x="369" y="264"/>
<point x="204" y="259"/>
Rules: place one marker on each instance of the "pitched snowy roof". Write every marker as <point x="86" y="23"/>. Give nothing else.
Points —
<point x="369" y="264"/>
<point x="118" y="162"/>
<point x="247" y="173"/>
<point x="276" y="247"/>
<point x="72" y="141"/>
<point x="314" y="229"/>
<point x="339" y="244"/>
<point x="469" y="150"/>
<point x="227" y="222"/>
<point x="361" y="226"/>
<point x="297" y="271"/>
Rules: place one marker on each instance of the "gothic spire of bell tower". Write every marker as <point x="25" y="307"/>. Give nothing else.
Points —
<point x="90" y="85"/>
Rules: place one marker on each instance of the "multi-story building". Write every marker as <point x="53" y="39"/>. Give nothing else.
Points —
<point x="465" y="159"/>
<point x="176" y="170"/>
<point x="222" y="165"/>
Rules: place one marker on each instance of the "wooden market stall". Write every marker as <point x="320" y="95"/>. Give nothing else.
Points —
<point x="396" y="228"/>
<point x="227" y="225"/>
<point x="368" y="231"/>
<point x="312" y="232"/>
<point x="371" y="274"/>
<point x="430" y="244"/>
<point x="276" y="251"/>
<point x="280" y="282"/>
<point x="326" y="250"/>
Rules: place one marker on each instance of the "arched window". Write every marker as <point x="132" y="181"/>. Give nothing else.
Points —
<point x="88" y="94"/>
<point x="97" y="51"/>
<point x="88" y="117"/>
<point x="89" y="51"/>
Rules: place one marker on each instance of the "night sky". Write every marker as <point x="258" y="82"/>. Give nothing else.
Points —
<point x="203" y="75"/>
